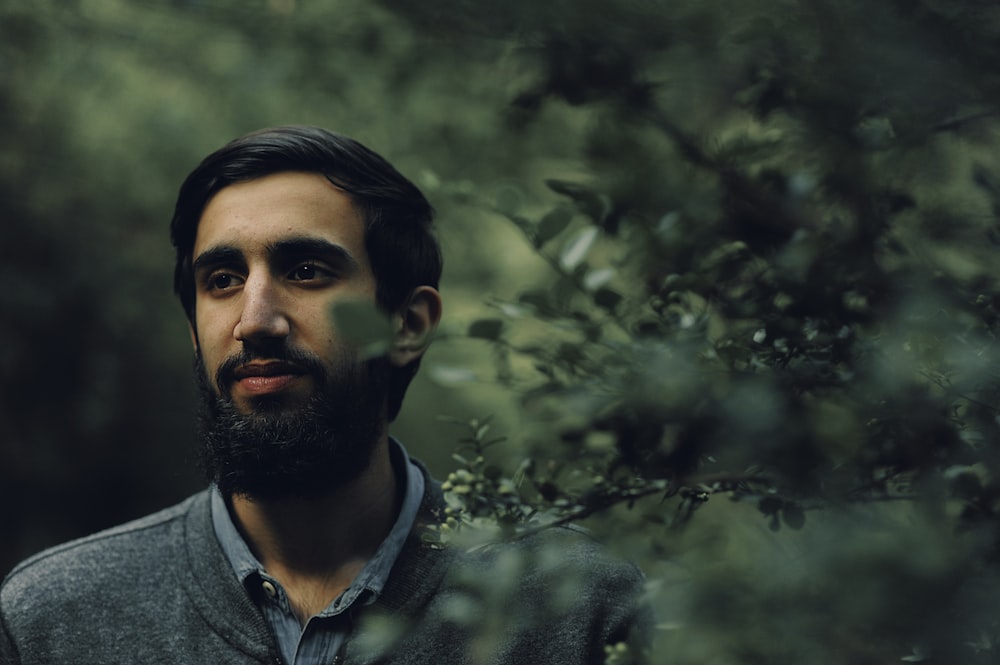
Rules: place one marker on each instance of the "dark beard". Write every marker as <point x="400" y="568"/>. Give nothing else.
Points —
<point x="292" y="452"/>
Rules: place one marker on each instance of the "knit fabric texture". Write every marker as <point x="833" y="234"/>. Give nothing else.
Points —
<point x="160" y="590"/>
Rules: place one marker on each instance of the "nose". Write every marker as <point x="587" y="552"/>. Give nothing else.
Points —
<point x="263" y="315"/>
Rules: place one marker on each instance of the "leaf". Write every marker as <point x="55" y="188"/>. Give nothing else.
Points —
<point x="876" y="132"/>
<point x="486" y="329"/>
<point x="576" y="249"/>
<point x="492" y="472"/>
<point x="793" y="515"/>
<point x="548" y="490"/>
<point x="536" y="298"/>
<point x="770" y="505"/>
<point x="594" y="204"/>
<point x="775" y="523"/>
<point x="508" y="200"/>
<point x="362" y="323"/>
<point x="668" y="229"/>
<point x="595" y="279"/>
<point x="552" y="224"/>
<point x="513" y="311"/>
<point x="569" y="353"/>
<point x="450" y="376"/>
<point x="607" y="299"/>
<point x="917" y="655"/>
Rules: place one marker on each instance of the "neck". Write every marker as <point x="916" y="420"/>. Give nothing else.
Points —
<point x="316" y="547"/>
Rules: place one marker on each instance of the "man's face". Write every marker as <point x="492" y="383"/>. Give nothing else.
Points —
<point x="284" y="395"/>
<point x="271" y="256"/>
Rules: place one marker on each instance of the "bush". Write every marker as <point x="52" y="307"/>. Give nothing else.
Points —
<point x="774" y="283"/>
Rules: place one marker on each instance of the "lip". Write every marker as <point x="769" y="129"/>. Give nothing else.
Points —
<point x="262" y="378"/>
<point x="266" y="369"/>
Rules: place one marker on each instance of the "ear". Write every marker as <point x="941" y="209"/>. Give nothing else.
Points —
<point x="194" y="337"/>
<point x="415" y="324"/>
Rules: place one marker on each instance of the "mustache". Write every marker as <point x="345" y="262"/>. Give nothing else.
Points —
<point x="303" y="361"/>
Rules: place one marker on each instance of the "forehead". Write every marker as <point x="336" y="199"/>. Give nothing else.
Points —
<point x="254" y="214"/>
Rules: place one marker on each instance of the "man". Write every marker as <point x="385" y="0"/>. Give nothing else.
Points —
<point x="310" y="544"/>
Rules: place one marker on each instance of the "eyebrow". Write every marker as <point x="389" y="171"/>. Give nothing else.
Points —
<point x="289" y="249"/>
<point x="284" y="250"/>
<point x="216" y="256"/>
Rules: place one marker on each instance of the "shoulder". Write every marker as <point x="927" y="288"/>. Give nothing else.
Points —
<point x="88" y="566"/>
<point x="152" y="590"/>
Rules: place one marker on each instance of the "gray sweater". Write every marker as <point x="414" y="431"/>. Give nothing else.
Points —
<point x="159" y="590"/>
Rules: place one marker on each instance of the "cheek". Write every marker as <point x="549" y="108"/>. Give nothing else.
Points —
<point x="316" y="323"/>
<point x="214" y="324"/>
<point x="210" y="348"/>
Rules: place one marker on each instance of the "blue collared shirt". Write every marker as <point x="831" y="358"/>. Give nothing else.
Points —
<point x="324" y="634"/>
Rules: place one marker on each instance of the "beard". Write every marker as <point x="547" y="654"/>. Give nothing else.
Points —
<point x="282" y="451"/>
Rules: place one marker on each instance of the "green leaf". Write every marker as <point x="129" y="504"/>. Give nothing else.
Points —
<point x="449" y="376"/>
<point x="770" y="505"/>
<point x="363" y="324"/>
<point x="569" y="353"/>
<point x="876" y="132"/>
<point x="595" y="279"/>
<point x="537" y="299"/>
<point x="576" y="248"/>
<point x="552" y="224"/>
<point x="793" y="515"/>
<point x="493" y="472"/>
<point x="508" y="200"/>
<point x="774" y="524"/>
<point x="607" y="299"/>
<point x="594" y="204"/>
<point x="486" y="329"/>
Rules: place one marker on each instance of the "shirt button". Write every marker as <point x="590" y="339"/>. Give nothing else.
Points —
<point x="269" y="589"/>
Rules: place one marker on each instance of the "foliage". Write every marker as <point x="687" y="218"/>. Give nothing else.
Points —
<point x="787" y="298"/>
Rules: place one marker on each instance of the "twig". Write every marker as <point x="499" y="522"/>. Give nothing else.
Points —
<point x="949" y="125"/>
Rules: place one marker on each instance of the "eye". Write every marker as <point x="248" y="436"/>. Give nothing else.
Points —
<point x="308" y="272"/>
<point x="222" y="281"/>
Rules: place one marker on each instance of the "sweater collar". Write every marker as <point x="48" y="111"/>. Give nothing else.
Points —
<point x="224" y="604"/>
<point x="371" y="580"/>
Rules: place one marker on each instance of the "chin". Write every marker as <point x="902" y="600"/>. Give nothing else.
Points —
<point x="270" y="405"/>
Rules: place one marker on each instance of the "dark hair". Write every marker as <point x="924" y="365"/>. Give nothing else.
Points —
<point x="401" y="247"/>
